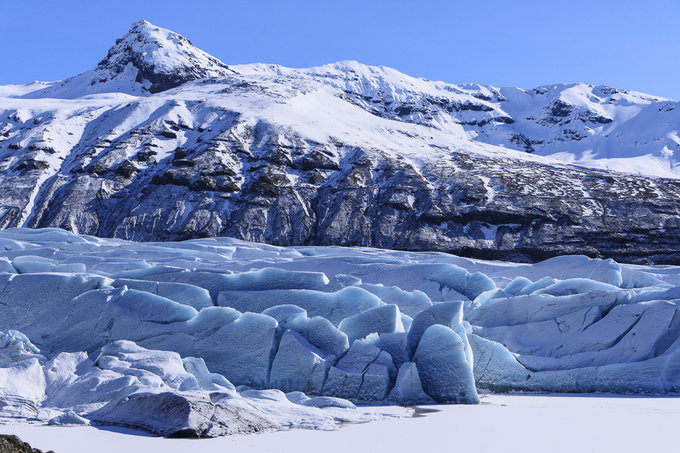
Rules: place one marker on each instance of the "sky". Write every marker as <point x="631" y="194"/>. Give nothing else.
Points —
<point x="627" y="44"/>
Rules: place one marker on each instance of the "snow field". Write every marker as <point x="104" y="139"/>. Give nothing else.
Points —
<point x="520" y="423"/>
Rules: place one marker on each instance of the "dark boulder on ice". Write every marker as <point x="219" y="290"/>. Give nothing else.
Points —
<point x="12" y="444"/>
<point x="184" y="414"/>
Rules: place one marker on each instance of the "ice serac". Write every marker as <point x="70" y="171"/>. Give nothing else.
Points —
<point x="22" y="384"/>
<point x="449" y="314"/>
<point x="364" y="373"/>
<point x="319" y="332"/>
<point x="385" y="319"/>
<point x="241" y="350"/>
<point x="160" y="141"/>
<point x="298" y="366"/>
<point x="408" y="389"/>
<point x="444" y="368"/>
<point x="148" y="307"/>
<point x="334" y="306"/>
<point x="581" y="341"/>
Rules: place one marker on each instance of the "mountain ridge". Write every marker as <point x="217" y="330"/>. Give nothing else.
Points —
<point x="576" y="113"/>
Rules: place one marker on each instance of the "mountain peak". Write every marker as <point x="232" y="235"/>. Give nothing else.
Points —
<point x="147" y="59"/>
<point x="163" y="59"/>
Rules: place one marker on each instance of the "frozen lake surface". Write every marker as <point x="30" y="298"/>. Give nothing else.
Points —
<point x="502" y="423"/>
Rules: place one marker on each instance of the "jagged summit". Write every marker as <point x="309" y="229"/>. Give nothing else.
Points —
<point x="147" y="59"/>
<point x="163" y="59"/>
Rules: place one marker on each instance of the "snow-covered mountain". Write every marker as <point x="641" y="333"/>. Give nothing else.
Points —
<point x="148" y="59"/>
<point x="162" y="141"/>
<point x="596" y="126"/>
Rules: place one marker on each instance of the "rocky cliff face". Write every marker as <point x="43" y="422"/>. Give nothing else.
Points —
<point x="170" y="143"/>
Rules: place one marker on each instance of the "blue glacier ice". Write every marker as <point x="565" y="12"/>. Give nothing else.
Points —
<point x="101" y="330"/>
<point x="384" y="319"/>
<point x="443" y="367"/>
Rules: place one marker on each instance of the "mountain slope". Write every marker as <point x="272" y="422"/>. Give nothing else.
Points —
<point x="161" y="141"/>
<point x="596" y="126"/>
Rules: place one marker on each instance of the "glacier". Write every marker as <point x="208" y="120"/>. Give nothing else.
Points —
<point x="217" y="336"/>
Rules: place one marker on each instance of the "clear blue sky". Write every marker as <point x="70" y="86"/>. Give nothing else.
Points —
<point x="627" y="44"/>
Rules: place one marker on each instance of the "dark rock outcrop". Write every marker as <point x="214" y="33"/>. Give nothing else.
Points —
<point x="478" y="206"/>
<point x="12" y="444"/>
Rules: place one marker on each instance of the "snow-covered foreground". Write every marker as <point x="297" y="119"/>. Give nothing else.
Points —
<point x="218" y="336"/>
<point x="502" y="423"/>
